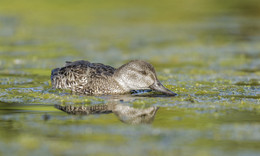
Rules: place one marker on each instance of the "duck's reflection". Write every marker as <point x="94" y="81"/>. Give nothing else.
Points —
<point x="124" y="113"/>
<point x="134" y="116"/>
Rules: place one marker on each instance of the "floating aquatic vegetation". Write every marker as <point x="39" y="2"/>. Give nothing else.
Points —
<point x="210" y="59"/>
<point x="251" y="82"/>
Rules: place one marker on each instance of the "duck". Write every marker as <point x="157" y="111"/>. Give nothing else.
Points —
<point x="98" y="79"/>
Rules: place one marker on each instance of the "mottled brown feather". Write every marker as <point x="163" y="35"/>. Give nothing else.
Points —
<point x="80" y="76"/>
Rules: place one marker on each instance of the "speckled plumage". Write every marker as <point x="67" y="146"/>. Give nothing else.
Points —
<point x="96" y="78"/>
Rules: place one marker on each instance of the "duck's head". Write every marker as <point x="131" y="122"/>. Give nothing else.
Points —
<point x="137" y="74"/>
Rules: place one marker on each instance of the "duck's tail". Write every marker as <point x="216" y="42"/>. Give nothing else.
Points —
<point x="54" y="74"/>
<point x="55" y="71"/>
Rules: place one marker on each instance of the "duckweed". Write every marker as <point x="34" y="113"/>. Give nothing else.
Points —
<point x="205" y="51"/>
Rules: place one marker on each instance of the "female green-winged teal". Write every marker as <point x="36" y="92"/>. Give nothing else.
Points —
<point x="96" y="78"/>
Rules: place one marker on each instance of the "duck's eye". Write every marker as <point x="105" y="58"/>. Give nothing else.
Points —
<point x="143" y="72"/>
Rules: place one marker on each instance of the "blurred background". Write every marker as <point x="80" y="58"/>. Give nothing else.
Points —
<point x="207" y="51"/>
<point x="43" y="34"/>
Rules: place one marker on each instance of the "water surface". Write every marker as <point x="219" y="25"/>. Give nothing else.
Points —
<point x="206" y="51"/>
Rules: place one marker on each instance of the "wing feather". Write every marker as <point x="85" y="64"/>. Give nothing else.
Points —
<point x="79" y="73"/>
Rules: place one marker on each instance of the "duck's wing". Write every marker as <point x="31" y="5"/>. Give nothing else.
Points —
<point x="79" y="73"/>
<point x="95" y="69"/>
<point x="99" y="70"/>
<point x="80" y="62"/>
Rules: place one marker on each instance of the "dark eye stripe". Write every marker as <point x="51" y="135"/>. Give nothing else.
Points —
<point x="143" y="72"/>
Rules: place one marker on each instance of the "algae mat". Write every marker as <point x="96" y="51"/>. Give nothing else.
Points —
<point x="206" y="51"/>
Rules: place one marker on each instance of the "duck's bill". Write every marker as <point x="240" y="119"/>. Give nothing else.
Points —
<point x="157" y="86"/>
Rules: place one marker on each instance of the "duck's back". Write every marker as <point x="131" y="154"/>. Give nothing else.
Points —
<point x="79" y="74"/>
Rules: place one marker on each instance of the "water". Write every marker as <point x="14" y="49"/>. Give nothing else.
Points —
<point x="207" y="52"/>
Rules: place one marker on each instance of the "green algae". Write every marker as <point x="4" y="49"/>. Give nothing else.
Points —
<point x="209" y="59"/>
<point x="251" y="82"/>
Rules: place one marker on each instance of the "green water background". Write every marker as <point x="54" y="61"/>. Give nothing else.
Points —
<point x="207" y="51"/>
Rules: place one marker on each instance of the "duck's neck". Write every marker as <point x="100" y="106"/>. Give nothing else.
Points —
<point x="122" y="84"/>
<point x="121" y="77"/>
<point x="109" y="86"/>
